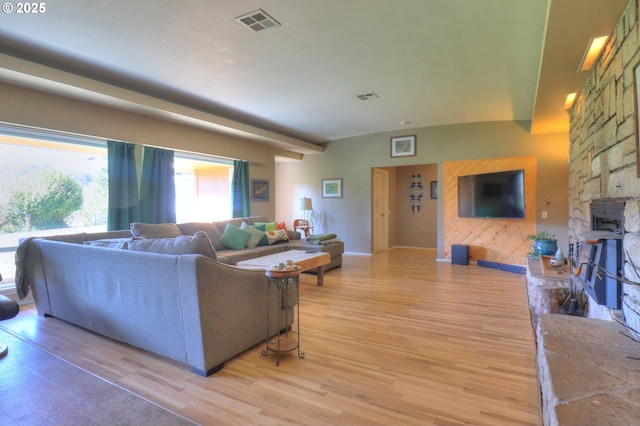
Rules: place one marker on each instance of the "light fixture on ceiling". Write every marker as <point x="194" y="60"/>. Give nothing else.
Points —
<point x="596" y="44"/>
<point x="367" y="96"/>
<point x="569" y="100"/>
<point x="257" y="20"/>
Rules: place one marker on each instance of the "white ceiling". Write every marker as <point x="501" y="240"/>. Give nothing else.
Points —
<point x="432" y="62"/>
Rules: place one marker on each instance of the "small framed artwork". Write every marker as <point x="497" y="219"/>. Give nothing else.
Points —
<point x="259" y="190"/>
<point x="403" y="146"/>
<point x="332" y="188"/>
<point x="434" y="189"/>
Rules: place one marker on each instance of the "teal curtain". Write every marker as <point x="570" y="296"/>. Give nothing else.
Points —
<point x="157" y="186"/>
<point x="241" y="194"/>
<point x="123" y="186"/>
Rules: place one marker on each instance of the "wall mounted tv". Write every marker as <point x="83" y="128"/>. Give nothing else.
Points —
<point x="499" y="195"/>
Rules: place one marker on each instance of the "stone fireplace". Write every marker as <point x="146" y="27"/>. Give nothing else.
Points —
<point x="604" y="174"/>
<point x="631" y="268"/>
<point x="588" y="367"/>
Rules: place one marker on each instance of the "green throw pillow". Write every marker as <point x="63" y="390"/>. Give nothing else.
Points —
<point x="261" y="227"/>
<point x="234" y="237"/>
<point x="256" y="235"/>
<point x="268" y="226"/>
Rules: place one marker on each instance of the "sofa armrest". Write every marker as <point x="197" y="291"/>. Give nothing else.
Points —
<point x="294" y="235"/>
<point x="224" y="309"/>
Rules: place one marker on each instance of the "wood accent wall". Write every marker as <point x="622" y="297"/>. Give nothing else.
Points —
<point x="495" y="240"/>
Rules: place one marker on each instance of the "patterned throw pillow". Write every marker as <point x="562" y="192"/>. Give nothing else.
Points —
<point x="277" y="237"/>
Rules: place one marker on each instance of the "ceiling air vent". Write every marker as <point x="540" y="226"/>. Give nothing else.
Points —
<point x="367" y="96"/>
<point x="257" y="20"/>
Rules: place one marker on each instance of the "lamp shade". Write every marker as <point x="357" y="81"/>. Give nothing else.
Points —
<point x="305" y="204"/>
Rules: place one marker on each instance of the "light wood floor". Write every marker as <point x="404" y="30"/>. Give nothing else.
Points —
<point x="391" y="339"/>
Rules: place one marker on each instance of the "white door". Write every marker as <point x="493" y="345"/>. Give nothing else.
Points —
<point x="380" y="210"/>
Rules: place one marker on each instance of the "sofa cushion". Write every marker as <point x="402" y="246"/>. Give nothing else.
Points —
<point x="199" y="243"/>
<point x="115" y="243"/>
<point x="334" y="247"/>
<point x="222" y="224"/>
<point x="256" y="235"/>
<point x="277" y="237"/>
<point x="155" y="230"/>
<point x="234" y="238"/>
<point x="232" y="257"/>
<point x="108" y="235"/>
<point x="214" y="234"/>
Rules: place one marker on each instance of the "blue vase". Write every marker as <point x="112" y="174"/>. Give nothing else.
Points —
<point x="545" y="247"/>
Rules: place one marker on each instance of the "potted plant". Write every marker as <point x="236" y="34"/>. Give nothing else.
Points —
<point x="544" y="243"/>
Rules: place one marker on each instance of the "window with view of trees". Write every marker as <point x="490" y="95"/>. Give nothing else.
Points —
<point x="51" y="187"/>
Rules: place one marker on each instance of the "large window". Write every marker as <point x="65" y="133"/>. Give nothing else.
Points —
<point x="53" y="184"/>
<point x="48" y="185"/>
<point x="203" y="189"/>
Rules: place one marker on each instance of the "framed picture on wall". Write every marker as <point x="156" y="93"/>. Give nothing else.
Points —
<point x="332" y="188"/>
<point x="259" y="190"/>
<point x="403" y="146"/>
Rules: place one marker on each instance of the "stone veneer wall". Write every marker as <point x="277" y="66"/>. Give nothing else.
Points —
<point x="603" y="149"/>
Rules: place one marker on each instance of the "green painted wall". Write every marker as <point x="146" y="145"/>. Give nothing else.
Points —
<point x="352" y="159"/>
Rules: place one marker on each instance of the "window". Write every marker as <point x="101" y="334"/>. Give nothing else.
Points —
<point x="48" y="185"/>
<point x="203" y="189"/>
<point x="39" y="170"/>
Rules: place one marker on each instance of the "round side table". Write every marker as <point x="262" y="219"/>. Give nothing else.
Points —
<point x="283" y="341"/>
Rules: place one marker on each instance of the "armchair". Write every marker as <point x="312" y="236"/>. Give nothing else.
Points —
<point x="304" y="225"/>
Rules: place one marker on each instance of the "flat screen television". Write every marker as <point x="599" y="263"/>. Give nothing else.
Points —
<point x="498" y="195"/>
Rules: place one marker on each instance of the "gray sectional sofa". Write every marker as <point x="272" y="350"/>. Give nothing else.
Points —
<point x="192" y="308"/>
<point x="334" y="246"/>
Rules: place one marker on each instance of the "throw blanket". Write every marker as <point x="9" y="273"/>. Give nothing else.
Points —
<point x="317" y="239"/>
<point x="22" y="278"/>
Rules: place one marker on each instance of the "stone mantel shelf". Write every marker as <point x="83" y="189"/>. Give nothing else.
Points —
<point x="601" y="235"/>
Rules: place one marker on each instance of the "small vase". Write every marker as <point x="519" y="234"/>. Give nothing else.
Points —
<point x="545" y="247"/>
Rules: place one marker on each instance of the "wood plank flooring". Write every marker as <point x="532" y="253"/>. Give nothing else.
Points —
<point x="391" y="339"/>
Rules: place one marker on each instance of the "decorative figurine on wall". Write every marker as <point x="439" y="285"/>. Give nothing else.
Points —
<point x="416" y="192"/>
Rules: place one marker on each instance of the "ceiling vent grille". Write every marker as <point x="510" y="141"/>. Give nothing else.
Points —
<point x="367" y="96"/>
<point x="257" y="20"/>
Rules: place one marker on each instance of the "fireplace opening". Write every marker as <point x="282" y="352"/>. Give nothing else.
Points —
<point x="600" y="254"/>
<point x="608" y="216"/>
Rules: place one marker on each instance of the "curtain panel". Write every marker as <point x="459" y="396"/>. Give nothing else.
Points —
<point x="124" y="206"/>
<point x="157" y="186"/>
<point x="241" y="193"/>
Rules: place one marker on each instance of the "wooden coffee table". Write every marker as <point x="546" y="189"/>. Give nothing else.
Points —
<point x="304" y="259"/>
